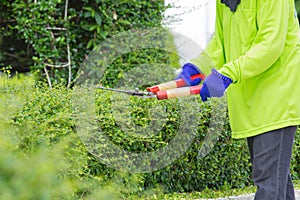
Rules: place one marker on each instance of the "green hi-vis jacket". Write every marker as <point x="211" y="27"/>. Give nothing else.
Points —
<point x="258" y="48"/>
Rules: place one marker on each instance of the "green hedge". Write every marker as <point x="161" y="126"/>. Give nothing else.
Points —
<point x="40" y="139"/>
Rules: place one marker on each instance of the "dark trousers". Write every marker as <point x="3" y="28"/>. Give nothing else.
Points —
<point x="270" y="155"/>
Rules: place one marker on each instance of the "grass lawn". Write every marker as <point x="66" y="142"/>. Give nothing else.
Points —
<point x="207" y="193"/>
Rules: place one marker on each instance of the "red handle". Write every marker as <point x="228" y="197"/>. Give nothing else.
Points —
<point x="172" y="84"/>
<point x="178" y="92"/>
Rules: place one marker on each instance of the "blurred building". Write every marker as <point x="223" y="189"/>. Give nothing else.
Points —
<point x="192" y="23"/>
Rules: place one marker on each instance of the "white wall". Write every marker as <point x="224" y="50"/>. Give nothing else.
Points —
<point x="193" y="19"/>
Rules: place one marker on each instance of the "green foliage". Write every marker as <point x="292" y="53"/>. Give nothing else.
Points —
<point x="40" y="157"/>
<point x="13" y="50"/>
<point x="210" y="193"/>
<point x="295" y="162"/>
<point x="41" y="151"/>
<point x="48" y="27"/>
<point x="297" y="4"/>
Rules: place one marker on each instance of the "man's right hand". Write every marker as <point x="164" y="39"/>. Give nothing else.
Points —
<point x="187" y="71"/>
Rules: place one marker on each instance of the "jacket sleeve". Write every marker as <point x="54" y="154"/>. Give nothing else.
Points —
<point x="213" y="56"/>
<point x="268" y="45"/>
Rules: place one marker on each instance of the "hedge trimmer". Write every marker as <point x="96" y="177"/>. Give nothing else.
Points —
<point x="167" y="90"/>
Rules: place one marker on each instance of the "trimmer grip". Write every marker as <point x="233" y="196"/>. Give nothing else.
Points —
<point x="178" y="92"/>
<point x="172" y="84"/>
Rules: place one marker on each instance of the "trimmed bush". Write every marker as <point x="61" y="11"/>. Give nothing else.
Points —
<point x="43" y="123"/>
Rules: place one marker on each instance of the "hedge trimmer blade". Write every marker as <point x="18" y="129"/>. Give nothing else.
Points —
<point x="135" y="92"/>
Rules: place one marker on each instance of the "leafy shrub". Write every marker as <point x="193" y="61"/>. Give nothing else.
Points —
<point x="41" y="137"/>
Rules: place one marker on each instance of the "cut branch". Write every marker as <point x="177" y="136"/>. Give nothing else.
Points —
<point x="68" y="46"/>
<point x="69" y="63"/>
<point x="48" y="77"/>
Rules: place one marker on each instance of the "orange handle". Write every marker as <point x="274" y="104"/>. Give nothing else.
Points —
<point x="178" y="92"/>
<point x="172" y="84"/>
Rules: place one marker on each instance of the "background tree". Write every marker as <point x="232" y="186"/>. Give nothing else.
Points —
<point x="55" y="36"/>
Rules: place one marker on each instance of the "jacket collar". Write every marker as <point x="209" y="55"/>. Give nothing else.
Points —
<point x="232" y="4"/>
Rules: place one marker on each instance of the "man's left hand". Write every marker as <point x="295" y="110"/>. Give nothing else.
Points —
<point x="214" y="85"/>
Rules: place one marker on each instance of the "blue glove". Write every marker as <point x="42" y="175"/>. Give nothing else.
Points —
<point x="214" y="85"/>
<point x="189" y="70"/>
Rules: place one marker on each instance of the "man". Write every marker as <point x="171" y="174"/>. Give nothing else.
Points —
<point x="256" y="54"/>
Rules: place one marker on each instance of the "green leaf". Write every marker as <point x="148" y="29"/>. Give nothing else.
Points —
<point x="98" y="29"/>
<point x="103" y="34"/>
<point x="92" y="28"/>
<point x="124" y="22"/>
<point x="98" y="19"/>
<point x="90" y="44"/>
<point x="87" y="14"/>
